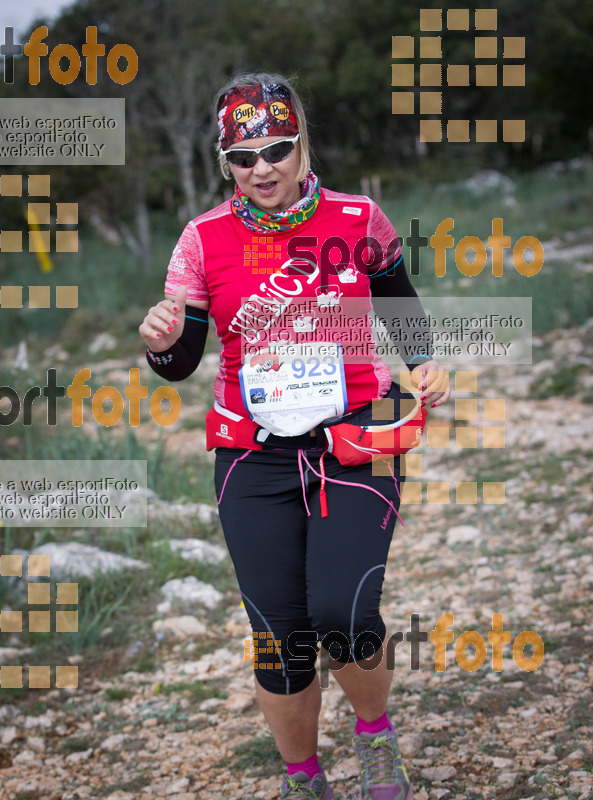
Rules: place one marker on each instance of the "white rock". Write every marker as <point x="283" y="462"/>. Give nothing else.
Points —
<point x="75" y="560"/>
<point x="21" y="360"/>
<point x="7" y="653"/>
<point x="113" y="742"/>
<point x="36" y="743"/>
<point x="191" y="590"/>
<point x="206" y="514"/>
<point x="438" y="773"/>
<point x="212" y="702"/>
<point x="211" y="360"/>
<point x="27" y="788"/>
<point x="56" y="353"/>
<point x="487" y="179"/>
<point x="547" y="758"/>
<point x="198" y="550"/>
<point x="82" y="755"/>
<point x="8" y="734"/>
<point x="506" y="779"/>
<point x="347" y="768"/>
<point x="239" y="702"/>
<point x="462" y="533"/>
<point x="498" y="762"/>
<point x="24" y="757"/>
<point x="103" y="341"/>
<point x="180" y="627"/>
<point x="325" y="741"/>
<point x="185" y="796"/>
<point x="575" y="758"/>
<point x="410" y="744"/>
<point x="212" y="665"/>
<point x="179" y="786"/>
<point x="43" y="721"/>
<point x="482" y="182"/>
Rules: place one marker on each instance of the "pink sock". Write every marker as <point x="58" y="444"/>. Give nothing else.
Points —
<point x="362" y="726"/>
<point x="310" y="767"/>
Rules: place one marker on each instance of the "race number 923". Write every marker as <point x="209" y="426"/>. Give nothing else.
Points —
<point x="313" y="367"/>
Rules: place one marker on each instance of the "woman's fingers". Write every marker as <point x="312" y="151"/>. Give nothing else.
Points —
<point x="436" y="399"/>
<point x="416" y="378"/>
<point x="430" y="377"/>
<point x="436" y="379"/>
<point x="152" y="335"/>
<point x="164" y="317"/>
<point x="433" y="383"/>
<point x="161" y="328"/>
<point x="163" y="324"/>
<point x="165" y="310"/>
<point x="438" y="382"/>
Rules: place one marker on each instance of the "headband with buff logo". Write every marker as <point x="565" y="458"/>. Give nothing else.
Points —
<point x="247" y="112"/>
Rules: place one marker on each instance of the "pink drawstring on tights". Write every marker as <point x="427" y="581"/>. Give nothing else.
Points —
<point x="301" y="456"/>
<point x="229" y="472"/>
<point x="350" y="483"/>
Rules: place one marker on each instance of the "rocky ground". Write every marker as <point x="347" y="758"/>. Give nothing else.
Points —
<point x="190" y="729"/>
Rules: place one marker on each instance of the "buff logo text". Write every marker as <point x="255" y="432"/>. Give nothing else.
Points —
<point x="36" y="49"/>
<point x="279" y="110"/>
<point x="244" y="112"/>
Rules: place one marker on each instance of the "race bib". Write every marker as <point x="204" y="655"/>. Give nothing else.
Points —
<point x="293" y="388"/>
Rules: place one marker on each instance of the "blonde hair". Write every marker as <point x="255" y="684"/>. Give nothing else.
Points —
<point x="251" y="79"/>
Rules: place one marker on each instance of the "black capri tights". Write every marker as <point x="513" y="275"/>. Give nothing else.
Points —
<point x="305" y="578"/>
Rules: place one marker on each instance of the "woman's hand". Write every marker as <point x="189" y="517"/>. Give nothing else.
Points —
<point x="432" y="379"/>
<point x="164" y="322"/>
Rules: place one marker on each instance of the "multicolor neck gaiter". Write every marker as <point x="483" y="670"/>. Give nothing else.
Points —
<point x="262" y="222"/>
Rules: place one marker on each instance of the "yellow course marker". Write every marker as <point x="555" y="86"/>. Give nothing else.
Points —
<point x="38" y="240"/>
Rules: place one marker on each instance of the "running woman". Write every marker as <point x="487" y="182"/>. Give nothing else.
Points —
<point x="308" y="535"/>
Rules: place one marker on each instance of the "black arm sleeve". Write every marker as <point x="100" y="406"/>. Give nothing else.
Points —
<point x="394" y="299"/>
<point x="182" y="358"/>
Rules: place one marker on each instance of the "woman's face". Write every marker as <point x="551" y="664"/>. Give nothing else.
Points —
<point x="271" y="187"/>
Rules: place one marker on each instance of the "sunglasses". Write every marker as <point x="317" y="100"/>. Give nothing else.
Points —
<point x="271" y="153"/>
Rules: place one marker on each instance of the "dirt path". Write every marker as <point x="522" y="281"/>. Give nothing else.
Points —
<point x="472" y="735"/>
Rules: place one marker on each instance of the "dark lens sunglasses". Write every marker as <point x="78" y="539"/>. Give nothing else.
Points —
<point x="271" y="153"/>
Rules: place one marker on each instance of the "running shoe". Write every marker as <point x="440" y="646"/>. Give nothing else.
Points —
<point x="382" y="773"/>
<point x="301" y="787"/>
